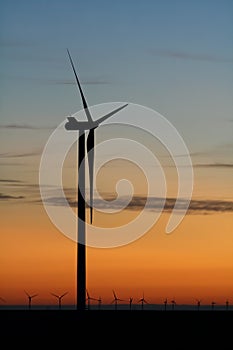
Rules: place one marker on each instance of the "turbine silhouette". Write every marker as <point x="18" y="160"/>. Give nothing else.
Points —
<point x="142" y="301"/>
<point x="3" y="300"/>
<point x="212" y="305"/>
<point x="99" y="302"/>
<point x="83" y="126"/>
<point x="198" y="304"/>
<point x="116" y="299"/>
<point x="30" y="298"/>
<point x="165" y="304"/>
<point x="59" y="297"/>
<point x="130" y="302"/>
<point x="227" y="304"/>
<point x="173" y="302"/>
<point x="89" y="298"/>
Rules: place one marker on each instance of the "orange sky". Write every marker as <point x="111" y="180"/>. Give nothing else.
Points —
<point x="195" y="261"/>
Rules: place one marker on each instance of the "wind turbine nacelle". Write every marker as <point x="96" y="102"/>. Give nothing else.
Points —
<point x="73" y="124"/>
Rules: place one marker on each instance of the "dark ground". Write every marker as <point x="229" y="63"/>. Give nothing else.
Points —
<point x="110" y="329"/>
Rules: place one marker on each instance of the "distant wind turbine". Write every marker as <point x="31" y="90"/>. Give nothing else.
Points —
<point x="212" y="305"/>
<point x="142" y="301"/>
<point x="227" y="304"/>
<point x="30" y="298"/>
<point x="116" y="299"/>
<point x="198" y="304"/>
<point x="82" y="126"/>
<point x="99" y="302"/>
<point x="59" y="297"/>
<point x="130" y="302"/>
<point x="89" y="298"/>
<point x="165" y="304"/>
<point x="173" y="302"/>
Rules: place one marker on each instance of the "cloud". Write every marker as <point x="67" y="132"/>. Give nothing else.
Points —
<point x="45" y="80"/>
<point x="11" y="181"/>
<point x="191" y="56"/>
<point x="20" y="155"/>
<point x="25" y="126"/>
<point x="60" y="201"/>
<point x="7" y="196"/>
<point x="213" y="165"/>
<point x="72" y="82"/>
<point x="154" y="204"/>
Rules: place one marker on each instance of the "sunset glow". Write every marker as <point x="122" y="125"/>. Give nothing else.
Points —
<point x="173" y="60"/>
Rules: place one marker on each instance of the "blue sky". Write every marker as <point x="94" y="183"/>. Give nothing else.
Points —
<point x="173" y="56"/>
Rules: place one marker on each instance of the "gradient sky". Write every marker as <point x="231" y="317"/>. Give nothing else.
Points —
<point x="172" y="56"/>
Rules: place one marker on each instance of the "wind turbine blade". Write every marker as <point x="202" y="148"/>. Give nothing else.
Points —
<point x="114" y="294"/>
<point x="26" y="293"/>
<point x="90" y="154"/>
<point x="55" y="295"/>
<point x="64" y="294"/>
<point x="34" y="295"/>
<point x="85" y="106"/>
<point x="101" y="119"/>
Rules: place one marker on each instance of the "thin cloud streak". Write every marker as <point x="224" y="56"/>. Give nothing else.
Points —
<point x="26" y="126"/>
<point x="53" y="81"/>
<point x="19" y="155"/>
<point x="213" y="165"/>
<point x="154" y="204"/>
<point x="191" y="56"/>
<point x="71" y="82"/>
<point x="11" y="181"/>
<point x="7" y="196"/>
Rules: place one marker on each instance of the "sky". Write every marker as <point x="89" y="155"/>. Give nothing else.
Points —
<point x="174" y="57"/>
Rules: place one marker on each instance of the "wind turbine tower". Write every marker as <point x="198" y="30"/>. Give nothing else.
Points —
<point x="142" y="301"/>
<point x="116" y="299"/>
<point x="30" y="299"/>
<point x="82" y="127"/>
<point x="59" y="297"/>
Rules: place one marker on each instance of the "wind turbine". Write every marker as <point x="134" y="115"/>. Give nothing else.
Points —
<point x="198" y="304"/>
<point x="89" y="298"/>
<point x="165" y="304"/>
<point x="30" y="298"/>
<point x="59" y="297"/>
<point x="227" y="304"/>
<point x="83" y="126"/>
<point x="142" y="301"/>
<point x="115" y="300"/>
<point x="130" y="302"/>
<point x="212" y="305"/>
<point x="173" y="303"/>
<point x="99" y="302"/>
